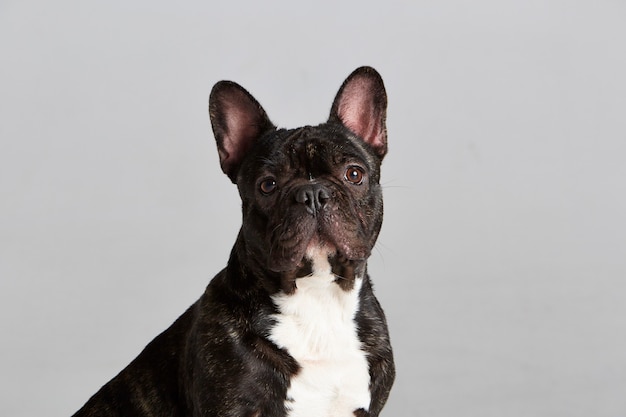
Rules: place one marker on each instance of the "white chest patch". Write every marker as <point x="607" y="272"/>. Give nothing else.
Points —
<point x="316" y="326"/>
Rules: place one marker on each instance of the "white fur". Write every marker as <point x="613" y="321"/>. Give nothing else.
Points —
<point x="316" y="326"/>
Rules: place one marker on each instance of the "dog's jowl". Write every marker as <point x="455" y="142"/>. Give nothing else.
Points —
<point x="291" y="326"/>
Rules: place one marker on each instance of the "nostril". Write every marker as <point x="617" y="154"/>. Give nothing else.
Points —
<point x="323" y="196"/>
<point x="303" y="196"/>
<point x="306" y="196"/>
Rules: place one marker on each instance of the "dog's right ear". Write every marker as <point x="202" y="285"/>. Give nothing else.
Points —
<point x="237" y="120"/>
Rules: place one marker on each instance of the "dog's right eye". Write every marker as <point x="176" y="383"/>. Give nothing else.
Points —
<point x="268" y="185"/>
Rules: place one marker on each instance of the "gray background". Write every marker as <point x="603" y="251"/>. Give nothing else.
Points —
<point x="502" y="259"/>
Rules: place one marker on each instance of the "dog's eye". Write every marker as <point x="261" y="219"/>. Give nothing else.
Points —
<point x="354" y="175"/>
<point x="268" y="185"/>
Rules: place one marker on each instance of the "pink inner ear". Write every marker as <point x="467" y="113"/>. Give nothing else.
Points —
<point x="243" y="125"/>
<point x="358" y="112"/>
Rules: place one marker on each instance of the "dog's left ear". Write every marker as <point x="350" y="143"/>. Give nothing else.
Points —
<point x="361" y="106"/>
<point x="238" y="120"/>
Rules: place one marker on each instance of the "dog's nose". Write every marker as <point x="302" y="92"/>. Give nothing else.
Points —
<point x="313" y="196"/>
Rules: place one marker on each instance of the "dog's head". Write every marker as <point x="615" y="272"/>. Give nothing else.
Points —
<point x="308" y="192"/>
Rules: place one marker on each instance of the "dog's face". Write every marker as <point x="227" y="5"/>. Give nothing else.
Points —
<point x="308" y="192"/>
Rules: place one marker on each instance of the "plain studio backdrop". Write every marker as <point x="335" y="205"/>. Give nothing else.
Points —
<point x="502" y="261"/>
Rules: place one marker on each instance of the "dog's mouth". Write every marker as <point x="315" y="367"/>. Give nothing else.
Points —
<point x="314" y="247"/>
<point x="329" y="239"/>
<point x="320" y="257"/>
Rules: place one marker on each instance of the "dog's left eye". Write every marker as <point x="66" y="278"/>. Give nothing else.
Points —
<point x="354" y="175"/>
<point x="268" y="185"/>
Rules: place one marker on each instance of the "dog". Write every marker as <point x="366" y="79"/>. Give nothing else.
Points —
<point x="291" y="326"/>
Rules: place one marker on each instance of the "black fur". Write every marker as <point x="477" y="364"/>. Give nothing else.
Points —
<point x="216" y="359"/>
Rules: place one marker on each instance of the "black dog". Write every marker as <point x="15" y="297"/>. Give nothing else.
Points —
<point x="291" y="326"/>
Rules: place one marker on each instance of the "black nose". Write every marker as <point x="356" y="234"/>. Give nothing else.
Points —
<point x="313" y="196"/>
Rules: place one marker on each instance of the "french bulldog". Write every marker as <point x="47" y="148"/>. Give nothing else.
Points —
<point x="291" y="326"/>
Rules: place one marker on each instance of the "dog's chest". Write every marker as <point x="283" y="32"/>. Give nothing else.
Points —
<point x="316" y="326"/>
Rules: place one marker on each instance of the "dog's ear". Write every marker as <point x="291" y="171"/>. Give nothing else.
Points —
<point x="361" y="106"/>
<point x="238" y="120"/>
